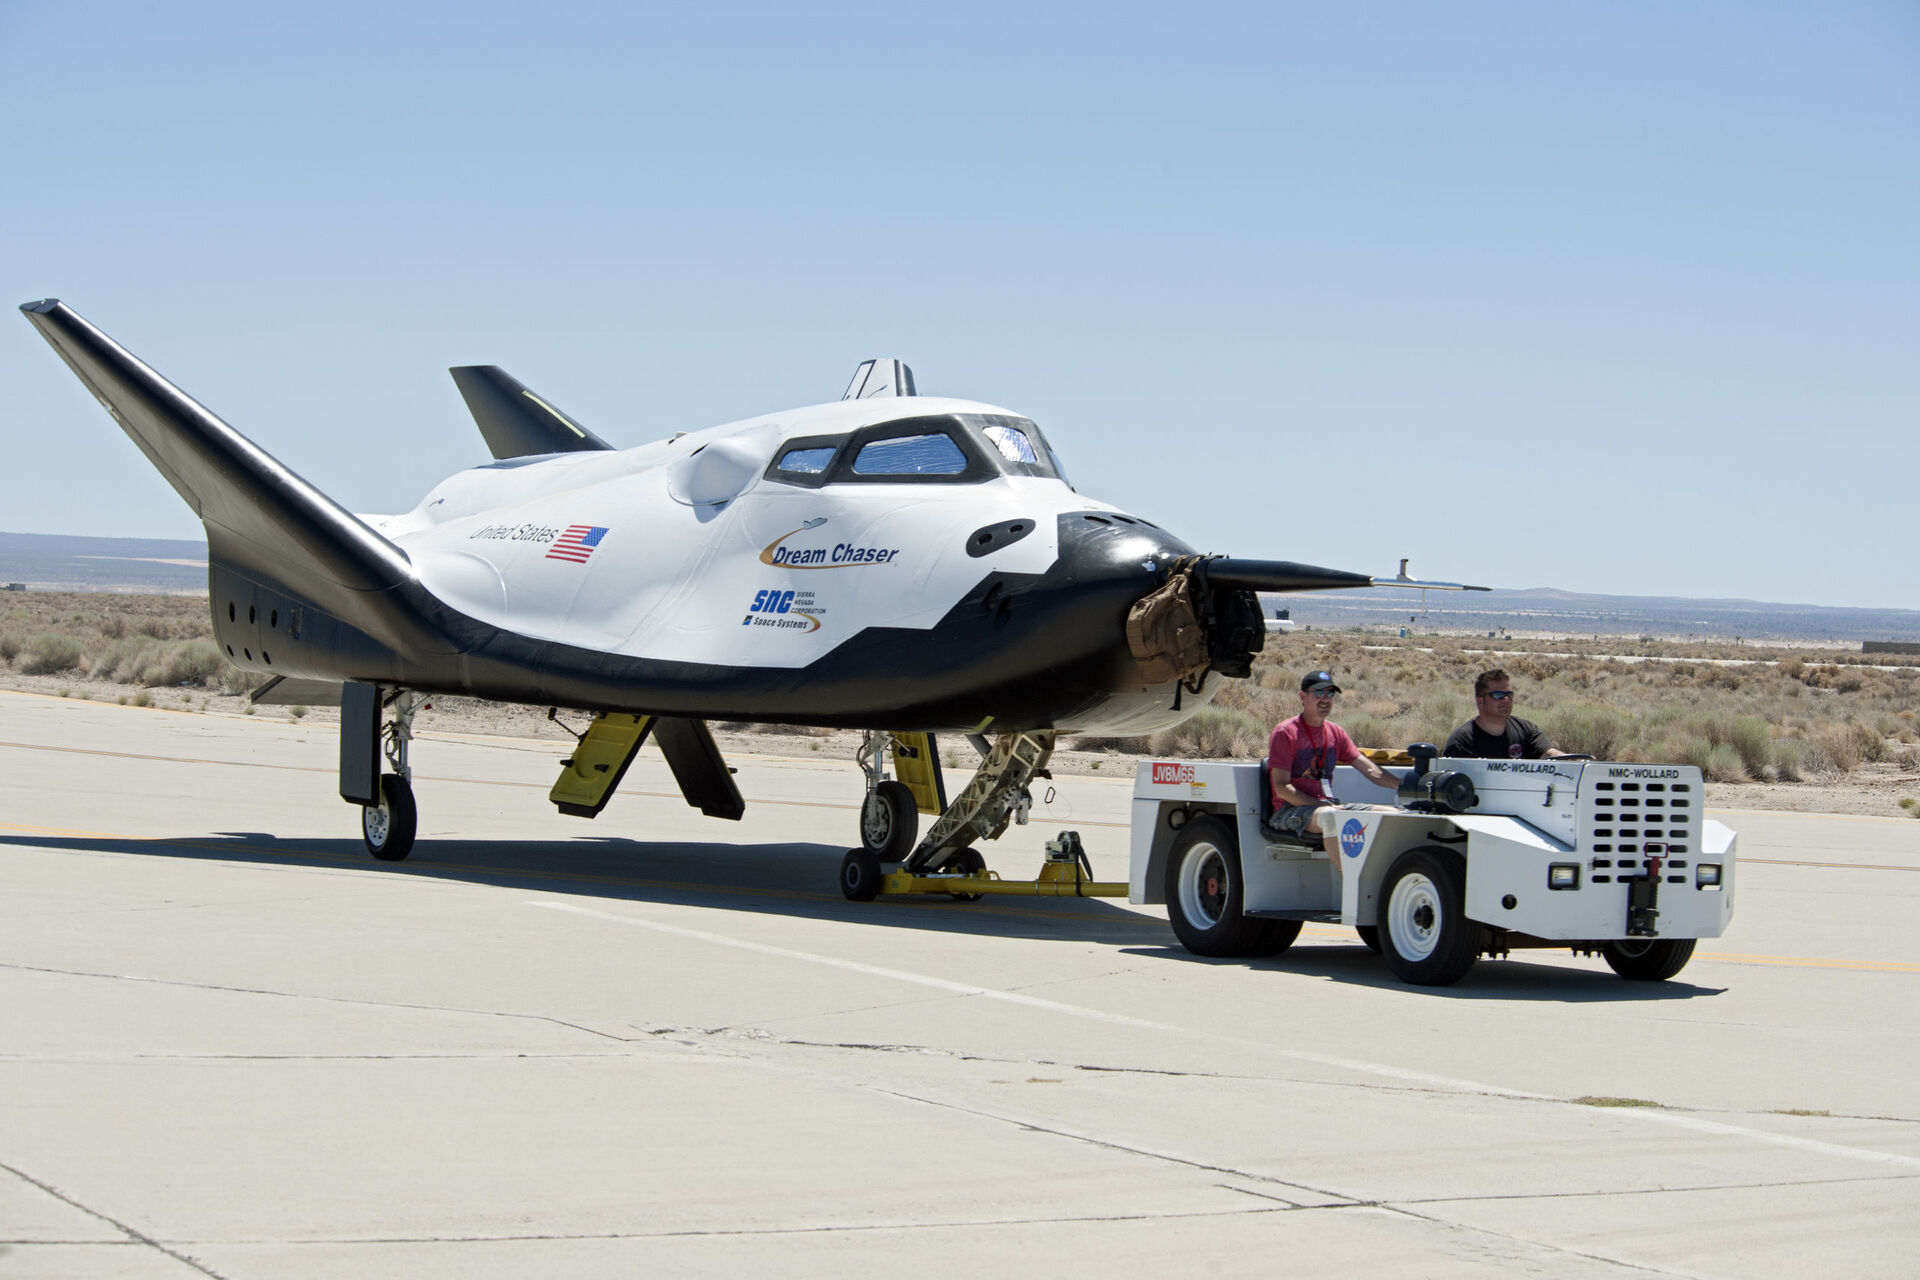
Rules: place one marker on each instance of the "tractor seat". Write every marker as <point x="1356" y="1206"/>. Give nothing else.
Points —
<point x="1272" y="833"/>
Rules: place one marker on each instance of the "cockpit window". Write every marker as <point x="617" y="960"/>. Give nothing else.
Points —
<point x="1022" y="448"/>
<point x="934" y="454"/>
<point x="1012" y="443"/>
<point x="806" y="461"/>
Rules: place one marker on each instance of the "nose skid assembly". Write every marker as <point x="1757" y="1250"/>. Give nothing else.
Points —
<point x="945" y="861"/>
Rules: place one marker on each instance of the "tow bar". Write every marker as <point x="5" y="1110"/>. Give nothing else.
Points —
<point x="1065" y="874"/>
<point x="1643" y="896"/>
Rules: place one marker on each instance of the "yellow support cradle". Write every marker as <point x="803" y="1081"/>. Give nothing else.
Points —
<point x="589" y="775"/>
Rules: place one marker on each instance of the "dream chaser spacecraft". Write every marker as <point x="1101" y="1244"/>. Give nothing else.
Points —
<point x="903" y="564"/>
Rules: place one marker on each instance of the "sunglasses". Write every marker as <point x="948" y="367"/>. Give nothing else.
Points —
<point x="1500" y="695"/>
<point x="1322" y="693"/>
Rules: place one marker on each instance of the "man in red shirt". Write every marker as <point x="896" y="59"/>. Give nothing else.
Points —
<point x="1301" y="757"/>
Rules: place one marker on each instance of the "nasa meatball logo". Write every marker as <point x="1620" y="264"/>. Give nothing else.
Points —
<point x="1353" y="837"/>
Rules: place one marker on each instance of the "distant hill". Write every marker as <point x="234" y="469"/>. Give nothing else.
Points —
<point x="59" y="562"/>
<point x="1570" y="613"/>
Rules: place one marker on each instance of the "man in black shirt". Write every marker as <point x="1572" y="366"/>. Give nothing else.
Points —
<point x="1496" y="733"/>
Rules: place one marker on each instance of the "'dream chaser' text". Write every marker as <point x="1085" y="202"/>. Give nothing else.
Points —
<point x="843" y="553"/>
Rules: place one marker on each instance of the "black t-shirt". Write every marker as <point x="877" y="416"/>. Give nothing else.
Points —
<point x="1522" y="741"/>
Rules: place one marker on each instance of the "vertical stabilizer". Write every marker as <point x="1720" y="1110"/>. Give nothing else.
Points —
<point x="880" y="378"/>
<point x="515" y="422"/>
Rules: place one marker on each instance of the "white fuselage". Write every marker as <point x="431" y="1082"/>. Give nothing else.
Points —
<point x="706" y="559"/>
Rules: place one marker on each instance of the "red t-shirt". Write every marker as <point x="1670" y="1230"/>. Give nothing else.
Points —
<point x="1301" y="757"/>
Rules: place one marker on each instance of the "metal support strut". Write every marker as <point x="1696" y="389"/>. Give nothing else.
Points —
<point x="395" y="734"/>
<point x="996" y="796"/>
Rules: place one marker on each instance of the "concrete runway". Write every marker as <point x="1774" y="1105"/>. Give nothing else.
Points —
<point x="657" y="1043"/>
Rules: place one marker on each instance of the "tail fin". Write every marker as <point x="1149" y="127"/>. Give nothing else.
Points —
<point x="260" y="516"/>
<point x="880" y="378"/>
<point x="514" y="421"/>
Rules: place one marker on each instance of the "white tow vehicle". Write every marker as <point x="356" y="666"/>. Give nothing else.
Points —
<point x="1481" y="857"/>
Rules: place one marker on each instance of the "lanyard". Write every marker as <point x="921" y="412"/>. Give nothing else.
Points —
<point x="1319" y="750"/>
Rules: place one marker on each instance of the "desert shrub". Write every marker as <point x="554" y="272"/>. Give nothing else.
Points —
<point x="158" y="628"/>
<point x="1790" y="759"/>
<point x="114" y="626"/>
<point x="10" y="645"/>
<point x="1719" y="762"/>
<point x="1873" y="747"/>
<point x="142" y="699"/>
<point x="1371" y="731"/>
<point x="1747" y="735"/>
<point x="127" y="661"/>
<point x="192" y="661"/>
<point x="1110" y="742"/>
<point x="1241" y="695"/>
<point x="1589" y="727"/>
<point x="49" y="653"/>
<point x="1435" y="715"/>
<point x="1815" y="761"/>
<point x="1214" y="731"/>
<point x="1839" y="746"/>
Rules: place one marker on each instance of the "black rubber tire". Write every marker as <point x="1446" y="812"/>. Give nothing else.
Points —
<point x="860" y="875"/>
<point x="966" y="862"/>
<point x="889" y="821"/>
<point x="1275" y="936"/>
<point x="388" y="827"/>
<point x="1369" y="934"/>
<point x="1424" y="931"/>
<point x="1203" y="892"/>
<point x="1648" y="959"/>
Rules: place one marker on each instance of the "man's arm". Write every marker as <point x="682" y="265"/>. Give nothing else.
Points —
<point x="1284" y="793"/>
<point x="1375" y="774"/>
<point x="1537" y="744"/>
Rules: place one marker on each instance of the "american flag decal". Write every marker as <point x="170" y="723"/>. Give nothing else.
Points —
<point x="577" y="543"/>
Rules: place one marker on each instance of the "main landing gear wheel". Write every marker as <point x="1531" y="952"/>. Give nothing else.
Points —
<point x="1424" y="929"/>
<point x="889" y="820"/>
<point x="388" y="827"/>
<point x="963" y="862"/>
<point x="1369" y="934"/>
<point x="1204" y="896"/>
<point x="860" y="875"/>
<point x="1648" y="959"/>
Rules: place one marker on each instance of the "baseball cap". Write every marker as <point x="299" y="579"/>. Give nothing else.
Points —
<point x="1313" y="680"/>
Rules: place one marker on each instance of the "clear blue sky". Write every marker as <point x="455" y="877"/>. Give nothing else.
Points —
<point x="1618" y="298"/>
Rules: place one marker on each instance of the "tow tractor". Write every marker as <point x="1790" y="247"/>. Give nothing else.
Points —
<point x="1478" y="857"/>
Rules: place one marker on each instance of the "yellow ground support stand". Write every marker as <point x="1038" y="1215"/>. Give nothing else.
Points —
<point x="1047" y="885"/>
<point x="915" y="765"/>
<point x="1065" y="874"/>
<point x="588" y="777"/>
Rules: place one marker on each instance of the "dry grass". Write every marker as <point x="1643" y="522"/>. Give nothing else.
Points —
<point x="1789" y="715"/>
<point x="1783" y="715"/>
<point x="152" y="641"/>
